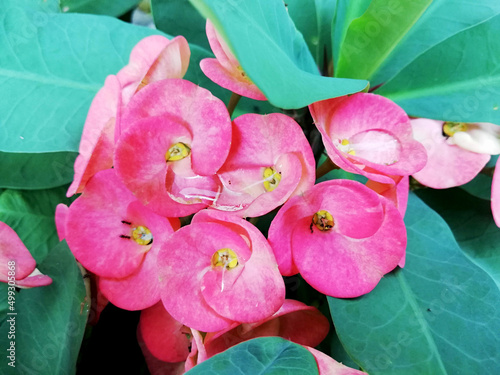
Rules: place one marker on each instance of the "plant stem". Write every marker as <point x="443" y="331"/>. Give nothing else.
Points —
<point x="326" y="167"/>
<point x="233" y="102"/>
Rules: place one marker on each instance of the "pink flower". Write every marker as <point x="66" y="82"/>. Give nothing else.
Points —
<point x="225" y="70"/>
<point x="269" y="161"/>
<point x="370" y="135"/>
<point x="97" y="142"/>
<point x="448" y="165"/>
<point x="219" y="270"/>
<point x="495" y="195"/>
<point x="117" y="238"/>
<point x="177" y="137"/>
<point x="152" y="59"/>
<point x="166" y="338"/>
<point x="294" y="321"/>
<point x="341" y="236"/>
<point x="16" y="263"/>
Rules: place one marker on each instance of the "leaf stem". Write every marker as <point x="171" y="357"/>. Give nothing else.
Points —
<point x="233" y="102"/>
<point x="326" y="167"/>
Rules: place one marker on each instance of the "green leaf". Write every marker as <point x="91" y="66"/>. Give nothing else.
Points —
<point x="472" y="223"/>
<point x="4" y="306"/>
<point x="479" y="187"/>
<point x="442" y="19"/>
<point x="112" y="8"/>
<point x="313" y="18"/>
<point x="265" y="355"/>
<point x="346" y="11"/>
<point x="438" y="315"/>
<point x="50" y="69"/>
<point x="372" y="37"/>
<point x="50" y="320"/>
<point x="36" y="171"/>
<point x="31" y="215"/>
<point x="456" y="80"/>
<point x="38" y="6"/>
<point x="274" y="54"/>
<point x="179" y="17"/>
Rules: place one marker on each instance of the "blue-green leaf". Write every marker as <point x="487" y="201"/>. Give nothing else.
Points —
<point x="49" y="321"/>
<point x="442" y="19"/>
<point x="456" y="80"/>
<point x="113" y="8"/>
<point x="272" y="52"/>
<point x="438" y="315"/>
<point x="265" y="355"/>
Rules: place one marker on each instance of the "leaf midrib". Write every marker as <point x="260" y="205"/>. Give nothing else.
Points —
<point x="57" y="81"/>
<point x="425" y="329"/>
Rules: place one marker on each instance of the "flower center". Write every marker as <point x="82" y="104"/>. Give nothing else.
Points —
<point x="142" y="235"/>
<point x="345" y="146"/>
<point x="225" y="258"/>
<point x="177" y="151"/>
<point x="450" y="128"/>
<point x="323" y="220"/>
<point x="271" y="178"/>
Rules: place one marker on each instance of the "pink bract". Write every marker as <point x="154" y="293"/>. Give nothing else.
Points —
<point x="152" y="59"/>
<point x="166" y="338"/>
<point x="100" y="227"/>
<point x="370" y="135"/>
<point x="294" y="321"/>
<point x="159" y="116"/>
<point x="495" y="194"/>
<point x="259" y="142"/>
<point x="97" y="142"/>
<point x="225" y="70"/>
<point x="60" y="218"/>
<point x="12" y="249"/>
<point x="366" y="238"/>
<point x="448" y="165"/>
<point x="329" y="366"/>
<point x="397" y="194"/>
<point x="209" y="296"/>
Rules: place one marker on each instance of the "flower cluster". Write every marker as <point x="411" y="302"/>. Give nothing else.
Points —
<point x="157" y="148"/>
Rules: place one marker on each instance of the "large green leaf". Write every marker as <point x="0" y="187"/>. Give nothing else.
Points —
<point x="372" y="37"/>
<point x="272" y="52"/>
<point x="472" y="223"/>
<point x="265" y="355"/>
<point x="108" y="7"/>
<point x="456" y="80"/>
<point x="36" y="171"/>
<point x="480" y="186"/>
<point x="442" y="19"/>
<point x="313" y="18"/>
<point x="38" y="6"/>
<point x="51" y="66"/>
<point x="346" y="11"/>
<point x="438" y="315"/>
<point x="179" y="17"/>
<point x="50" y="320"/>
<point x="31" y="215"/>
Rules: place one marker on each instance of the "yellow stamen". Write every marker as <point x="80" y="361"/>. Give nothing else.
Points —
<point x="345" y="146"/>
<point x="225" y="258"/>
<point x="450" y="128"/>
<point x="177" y="151"/>
<point x="271" y="178"/>
<point x="142" y="235"/>
<point x="323" y="220"/>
